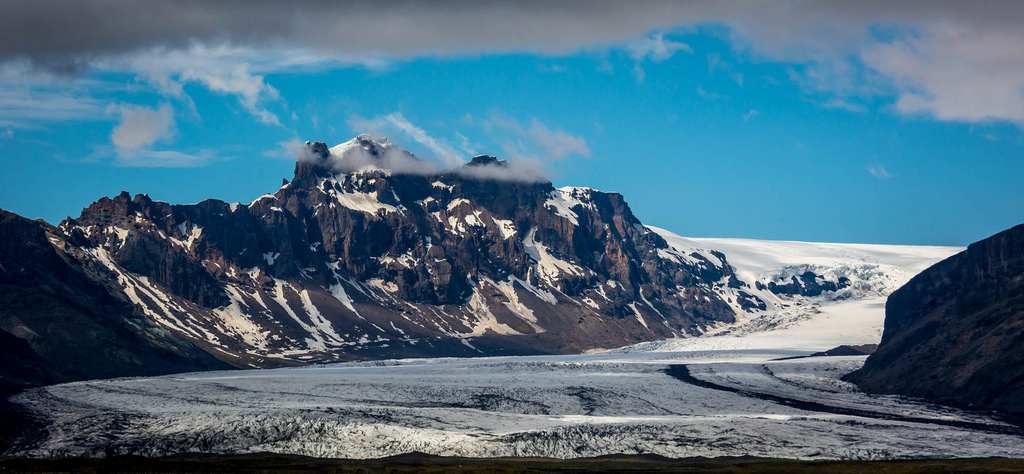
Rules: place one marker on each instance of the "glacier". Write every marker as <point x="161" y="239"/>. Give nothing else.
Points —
<point x="745" y="389"/>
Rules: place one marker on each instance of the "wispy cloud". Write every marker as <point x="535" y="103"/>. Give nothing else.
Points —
<point x="879" y="172"/>
<point x="145" y="158"/>
<point x="29" y="97"/>
<point x="526" y="147"/>
<point x="837" y="103"/>
<point x="749" y="115"/>
<point x="537" y="141"/>
<point x="220" y="69"/>
<point x="444" y="152"/>
<point x="716" y="64"/>
<point x="655" y="49"/>
<point x="708" y="95"/>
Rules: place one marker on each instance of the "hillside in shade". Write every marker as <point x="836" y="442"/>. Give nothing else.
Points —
<point x="955" y="332"/>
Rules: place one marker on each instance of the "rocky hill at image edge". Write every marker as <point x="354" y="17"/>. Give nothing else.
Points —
<point x="955" y="332"/>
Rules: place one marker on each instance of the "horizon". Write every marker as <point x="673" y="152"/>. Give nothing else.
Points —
<point x="842" y="122"/>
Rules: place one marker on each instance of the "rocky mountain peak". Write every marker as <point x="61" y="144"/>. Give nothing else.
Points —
<point x="486" y="160"/>
<point x="376" y="146"/>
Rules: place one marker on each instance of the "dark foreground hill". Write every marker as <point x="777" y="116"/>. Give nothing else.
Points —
<point x="955" y="332"/>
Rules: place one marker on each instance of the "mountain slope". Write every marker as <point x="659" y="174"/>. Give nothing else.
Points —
<point x="954" y="333"/>
<point x="62" y="320"/>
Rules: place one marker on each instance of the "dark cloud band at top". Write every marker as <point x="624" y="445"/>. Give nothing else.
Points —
<point x="47" y="30"/>
<point x="954" y="60"/>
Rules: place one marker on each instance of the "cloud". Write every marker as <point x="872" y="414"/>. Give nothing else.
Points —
<point x="537" y="142"/>
<point x="954" y="74"/>
<point x="946" y="59"/>
<point x="749" y="115"/>
<point x="515" y="170"/>
<point x="290" y="150"/>
<point x="221" y="69"/>
<point x="141" y="127"/>
<point x="879" y="172"/>
<point x="367" y="151"/>
<point x="29" y="97"/>
<point x="145" y="158"/>
<point x="837" y="103"/>
<point x="396" y="122"/>
<point x="708" y="95"/>
<point x="374" y="150"/>
<point x="557" y="143"/>
<point x="654" y="48"/>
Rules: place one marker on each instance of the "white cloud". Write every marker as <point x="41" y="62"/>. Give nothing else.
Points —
<point x="537" y="142"/>
<point x="396" y="122"/>
<point x="352" y="158"/>
<point x="557" y="143"/>
<point x="145" y="158"/>
<point x="879" y="172"/>
<point x="837" y="103"/>
<point x="955" y="74"/>
<point x="289" y="150"/>
<point x="141" y="127"/>
<point x="749" y="115"/>
<point x="222" y="69"/>
<point x="29" y="97"/>
<point x="708" y="95"/>
<point x="513" y="170"/>
<point x="654" y="48"/>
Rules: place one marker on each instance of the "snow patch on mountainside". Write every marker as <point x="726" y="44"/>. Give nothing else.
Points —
<point x="549" y="268"/>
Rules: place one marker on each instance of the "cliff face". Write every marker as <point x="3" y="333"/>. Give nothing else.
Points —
<point x="955" y="332"/>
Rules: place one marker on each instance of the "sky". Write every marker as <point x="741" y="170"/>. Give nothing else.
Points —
<point x="898" y="122"/>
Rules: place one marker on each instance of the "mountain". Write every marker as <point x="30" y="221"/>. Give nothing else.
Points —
<point x="64" y="319"/>
<point x="369" y="253"/>
<point x="955" y="332"/>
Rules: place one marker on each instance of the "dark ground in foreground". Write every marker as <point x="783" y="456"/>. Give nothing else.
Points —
<point x="427" y="463"/>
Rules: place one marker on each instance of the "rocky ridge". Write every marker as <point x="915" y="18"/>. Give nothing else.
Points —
<point x="954" y="332"/>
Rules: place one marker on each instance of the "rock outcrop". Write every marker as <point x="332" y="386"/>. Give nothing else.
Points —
<point x="955" y="332"/>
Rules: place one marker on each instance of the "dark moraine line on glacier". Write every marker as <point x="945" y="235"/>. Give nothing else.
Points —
<point x="681" y="372"/>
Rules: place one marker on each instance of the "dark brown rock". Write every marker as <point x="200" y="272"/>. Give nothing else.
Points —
<point x="955" y="332"/>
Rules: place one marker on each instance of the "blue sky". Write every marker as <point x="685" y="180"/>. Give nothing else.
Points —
<point x="838" y="122"/>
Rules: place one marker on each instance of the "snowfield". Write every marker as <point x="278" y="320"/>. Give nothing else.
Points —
<point x="719" y="395"/>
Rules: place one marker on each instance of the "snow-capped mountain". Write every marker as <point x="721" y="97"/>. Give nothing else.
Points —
<point x="370" y="252"/>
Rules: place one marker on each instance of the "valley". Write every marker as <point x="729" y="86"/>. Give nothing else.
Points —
<point x="723" y="394"/>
